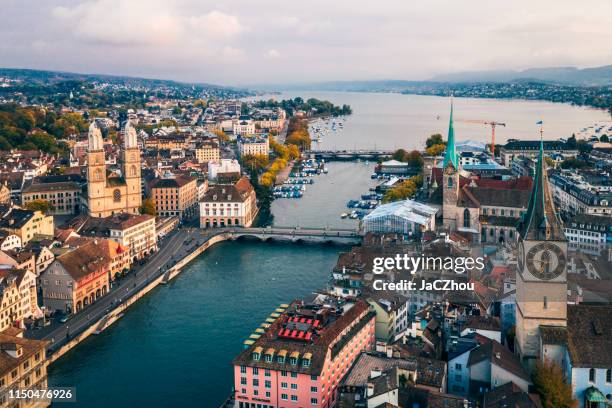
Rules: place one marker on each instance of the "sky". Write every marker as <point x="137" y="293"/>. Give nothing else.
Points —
<point x="242" y="42"/>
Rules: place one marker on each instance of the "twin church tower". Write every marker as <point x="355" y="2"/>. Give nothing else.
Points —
<point x="109" y="194"/>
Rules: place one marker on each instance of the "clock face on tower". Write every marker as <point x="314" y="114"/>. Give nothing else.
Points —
<point x="545" y="260"/>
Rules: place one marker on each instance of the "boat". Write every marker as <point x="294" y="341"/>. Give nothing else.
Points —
<point x="344" y="215"/>
<point x="106" y="321"/>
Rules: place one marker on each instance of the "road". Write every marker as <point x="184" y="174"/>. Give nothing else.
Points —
<point x="171" y="250"/>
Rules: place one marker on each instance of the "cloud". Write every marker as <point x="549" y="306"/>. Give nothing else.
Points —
<point x="272" y="53"/>
<point x="217" y="24"/>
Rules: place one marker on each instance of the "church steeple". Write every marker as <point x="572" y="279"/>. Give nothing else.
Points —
<point x="451" y="150"/>
<point x="541" y="222"/>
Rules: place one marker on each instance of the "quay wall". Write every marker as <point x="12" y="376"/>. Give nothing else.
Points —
<point x="121" y="308"/>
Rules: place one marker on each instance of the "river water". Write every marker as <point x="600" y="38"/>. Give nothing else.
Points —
<point x="174" y="347"/>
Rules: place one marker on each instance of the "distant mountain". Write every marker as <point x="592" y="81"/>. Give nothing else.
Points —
<point x="597" y="76"/>
<point x="42" y="77"/>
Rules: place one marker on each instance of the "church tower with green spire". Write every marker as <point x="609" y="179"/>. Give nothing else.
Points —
<point x="541" y="281"/>
<point x="450" y="178"/>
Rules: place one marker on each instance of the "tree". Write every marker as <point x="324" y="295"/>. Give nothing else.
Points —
<point x="255" y="162"/>
<point x="148" y="207"/>
<point x="434" y="140"/>
<point x="436" y="150"/>
<point x="399" y="155"/>
<point x="549" y="162"/>
<point x="223" y="137"/>
<point x="414" y="159"/>
<point x="550" y="384"/>
<point x="39" y="205"/>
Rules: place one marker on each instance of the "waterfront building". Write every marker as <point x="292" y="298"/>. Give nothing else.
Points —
<point x="64" y="196"/>
<point x="76" y="279"/>
<point x="207" y="151"/>
<point x="403" y="217"/>
<point x="530" y="148"/>
<point x="23" y="366"/>
<point x="108" y="195"/>
<point x="255" y="146"/>
<point x="541" y="281"/>
<point x="393" y="167"/>
<point x="303" y="355"/>
<point x="176" y="196"/>
<point x="26" y="224"/>
<point x="229" y="204"/>
<point x="590" y="234"/>
<point x="135" y="232"/>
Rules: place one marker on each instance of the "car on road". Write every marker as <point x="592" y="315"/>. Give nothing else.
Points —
<point x="64" y="318"/>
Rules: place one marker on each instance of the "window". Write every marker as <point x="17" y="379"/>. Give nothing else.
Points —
<point x="545" y="302"/>
<point x="293" y="375"/>
<point x="457" y="366"/>
<point x="313" y="377"/>
<point x="294" y="386"/>
<point x="255" y="371"/>
<point x="267" y="373"/>
<point x="284" y="397"/>
<point x="314" y="401"/>
<point x="592" y="375"/>
<point x="243" y="381"/>
<point x="466" y="218"/>
<point x="283" y="373"/>
<point x="314" y="389"/>
<point x="450" y="182"/>
<point x="268" y="384"/>
<point x="281" y="359"/>
<point x="294" y="398"/>
<point x="284" y="385"/>
<point x="609" y="375"/>
<point x="255" y="382"/>
<point x="116" y="195"/>
<point x="243" y="369"/>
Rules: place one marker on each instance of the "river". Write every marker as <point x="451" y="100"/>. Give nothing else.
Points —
<point x="174" y="347"/>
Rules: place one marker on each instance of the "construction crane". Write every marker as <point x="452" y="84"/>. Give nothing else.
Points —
<point x="491" y="123"/>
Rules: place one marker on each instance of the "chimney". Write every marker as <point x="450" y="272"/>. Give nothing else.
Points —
<point x="389" y="352"/>
<point x="370" y="391"/>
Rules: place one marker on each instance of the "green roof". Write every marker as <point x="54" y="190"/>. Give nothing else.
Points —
<point x="594" y="395"/>
<point x="451" y="150"/>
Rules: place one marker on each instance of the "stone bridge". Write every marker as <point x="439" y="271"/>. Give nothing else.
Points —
<point x="328" y="155"/>
<point x="295" y="234"/>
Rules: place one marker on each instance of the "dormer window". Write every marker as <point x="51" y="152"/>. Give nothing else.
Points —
<point x="256" y="356"/>
<point x="293" y="360"/>
<point x="281" y="359"/>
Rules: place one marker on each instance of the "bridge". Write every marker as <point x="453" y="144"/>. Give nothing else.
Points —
<point x="294" y="234"/>
<point x="329" y="155"/>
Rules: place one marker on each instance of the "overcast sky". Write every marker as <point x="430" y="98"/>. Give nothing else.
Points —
<point x="269" y="41"/>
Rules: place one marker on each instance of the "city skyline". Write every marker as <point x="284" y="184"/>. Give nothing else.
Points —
<point x="250" y="43"/>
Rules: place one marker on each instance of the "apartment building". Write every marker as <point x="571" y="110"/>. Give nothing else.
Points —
<point x="253" y="146"/>
<point x="207" y="151"/>
<point x="591" y="234"/>
<point x="64" y="196"/>
<point x="26" y="224"/>
<point x="177" y="196"/>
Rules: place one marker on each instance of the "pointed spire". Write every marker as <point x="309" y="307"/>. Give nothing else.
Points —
<point x="541" y="221"/>
<point x="451" y="151"/>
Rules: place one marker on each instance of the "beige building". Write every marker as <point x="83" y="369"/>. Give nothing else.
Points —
<point x="176" y="196"/>
<point x="26" y="224"/>
<point x="229" y="204"/>
<point x="253" y="146"/>
<point x="5" y="193"/>
<point x="64" y="196"/>
<point x="23" y="366"/>
<point x="111" y="195"/>
<point x="207" y="151"/>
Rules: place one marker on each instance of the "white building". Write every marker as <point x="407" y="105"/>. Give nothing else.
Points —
<point x="256" y="146"/>
<point x="402" y="217"/>
<point x="224" y="166"/>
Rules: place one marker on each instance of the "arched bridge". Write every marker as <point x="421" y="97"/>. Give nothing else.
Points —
<point x="296" y="234"/>
<point x="328" y="155"/>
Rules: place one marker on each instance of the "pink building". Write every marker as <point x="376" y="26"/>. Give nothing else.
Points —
<point x="301" y="358"/>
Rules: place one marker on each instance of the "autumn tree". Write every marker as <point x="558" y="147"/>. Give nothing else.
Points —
<point x="434" y="139"/>
<point x="436" y="150"/>
<point x="255" y="162"/>
<point x="148" y="207"/>
<point x="223" y="137"/>
<point x="414" y="159"/>
<point x="40" y="205"/>
<point x="550" y="384"/>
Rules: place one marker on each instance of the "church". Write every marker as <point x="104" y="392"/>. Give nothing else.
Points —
<point x="482" y="210"/>
<point x="109" y="193"/>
